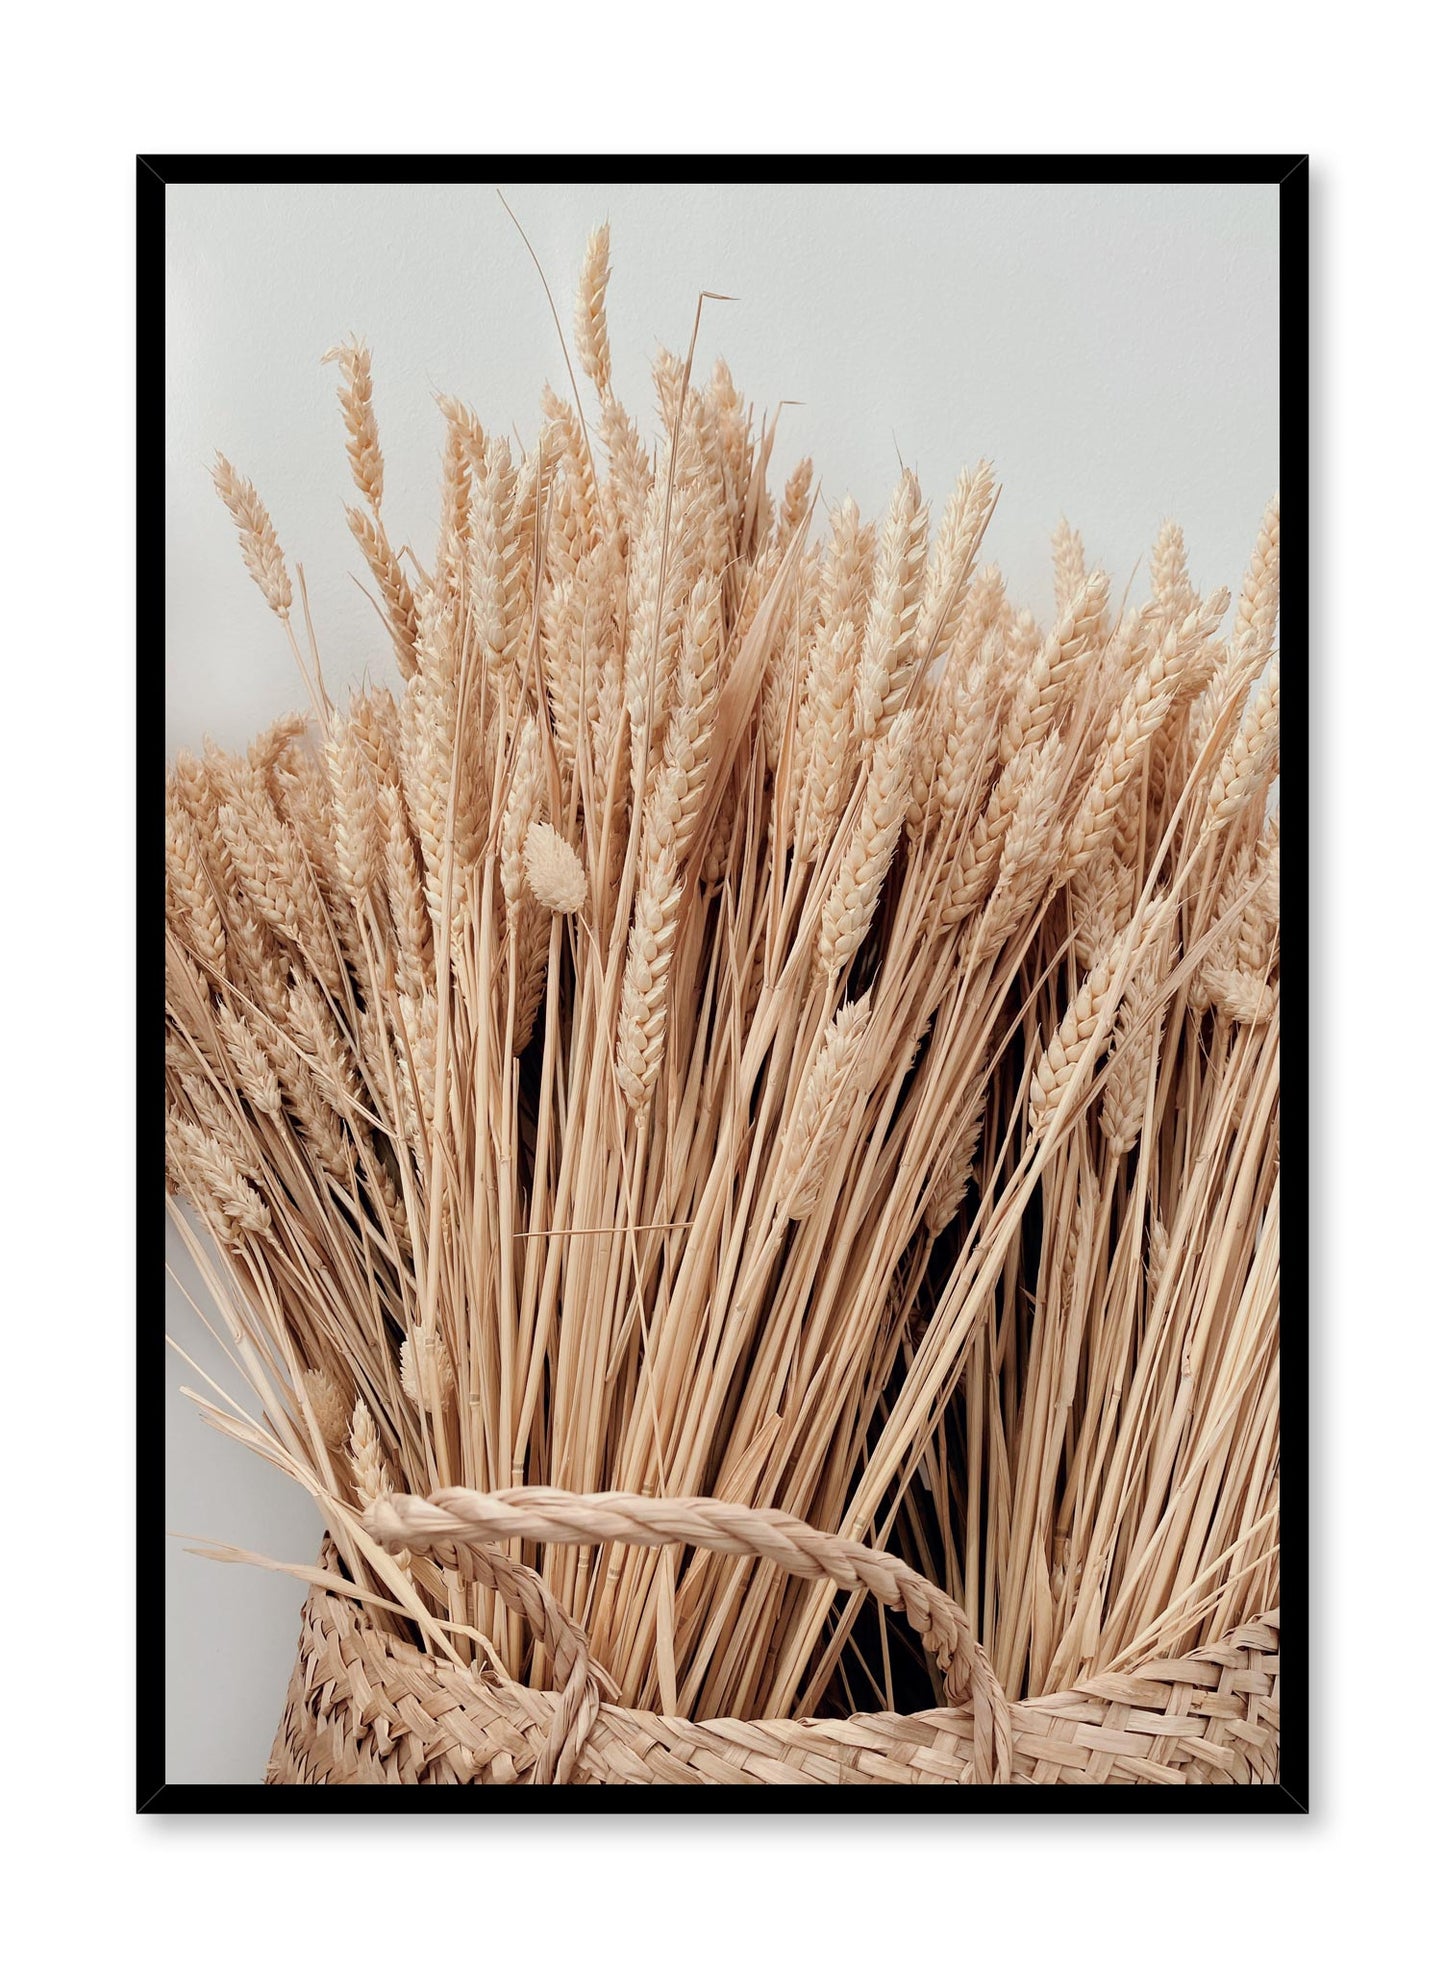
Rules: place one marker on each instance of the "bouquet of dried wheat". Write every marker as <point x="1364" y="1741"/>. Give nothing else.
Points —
<point x="758" y="1052"/>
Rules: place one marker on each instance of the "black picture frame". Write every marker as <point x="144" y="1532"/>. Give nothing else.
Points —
<point x="1291" y="1794"/>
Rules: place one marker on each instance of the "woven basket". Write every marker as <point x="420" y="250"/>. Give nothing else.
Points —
<point x="367" y="1708"/>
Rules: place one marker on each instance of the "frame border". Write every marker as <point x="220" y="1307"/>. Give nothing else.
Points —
<point x="1290" y="1796"/>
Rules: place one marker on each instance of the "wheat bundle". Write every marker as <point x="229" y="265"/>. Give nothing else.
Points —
<point x="754" y="1017"/>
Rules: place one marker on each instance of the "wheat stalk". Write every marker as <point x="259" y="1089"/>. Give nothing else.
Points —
<point x="752" y="1016"/>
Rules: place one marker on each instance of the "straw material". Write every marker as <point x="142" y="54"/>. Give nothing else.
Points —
<point x="766" y="1044"/>
<point x="365" y="1707"/>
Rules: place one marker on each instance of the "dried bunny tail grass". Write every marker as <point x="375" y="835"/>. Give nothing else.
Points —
<point x="554" y="874"/>
<point x="854" y="894"/>
<point x="260" y="549"/>
<point x="363" y="445"/>
<point x="642" y="1017"/>
<point x="428" y="1379"/>
<point x="1258" y="611"/>
<point x="327" y="1404"/>
<point x="950" y="565"/>
<point x="885" y="664"/>
<point x="589" y="322"/>
<point x="822" y="1111"/>
<point x="396" y="591"/>
<point x="1077" y="1034"/>
<point x="1249" y="761"/>
<point x="1070" y="571"/>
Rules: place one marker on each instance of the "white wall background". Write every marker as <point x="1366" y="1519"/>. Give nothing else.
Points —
<point x="1112" y="349"/>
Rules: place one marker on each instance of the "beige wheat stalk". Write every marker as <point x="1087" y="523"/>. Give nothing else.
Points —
<point x="822" y="1110"/>
<point x="885" y="663"/>
<point x="260" y="549"/>
<point x="872" y="839"/>
<point x="750" y="1017"/>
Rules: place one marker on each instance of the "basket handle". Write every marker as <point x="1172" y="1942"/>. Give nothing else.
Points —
<point x="453" y="1519"/>
<point x="575" y="1673"/>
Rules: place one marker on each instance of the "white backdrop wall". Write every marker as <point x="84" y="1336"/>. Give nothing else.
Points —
<point x="1112" y="349"/>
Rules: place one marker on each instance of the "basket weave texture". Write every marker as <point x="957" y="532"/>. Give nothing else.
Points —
<point x="365" y="1707"/>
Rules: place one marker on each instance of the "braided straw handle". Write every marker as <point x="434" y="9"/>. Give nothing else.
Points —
<point x="455" y="1519"/>
<point x="518" y="1587"/>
